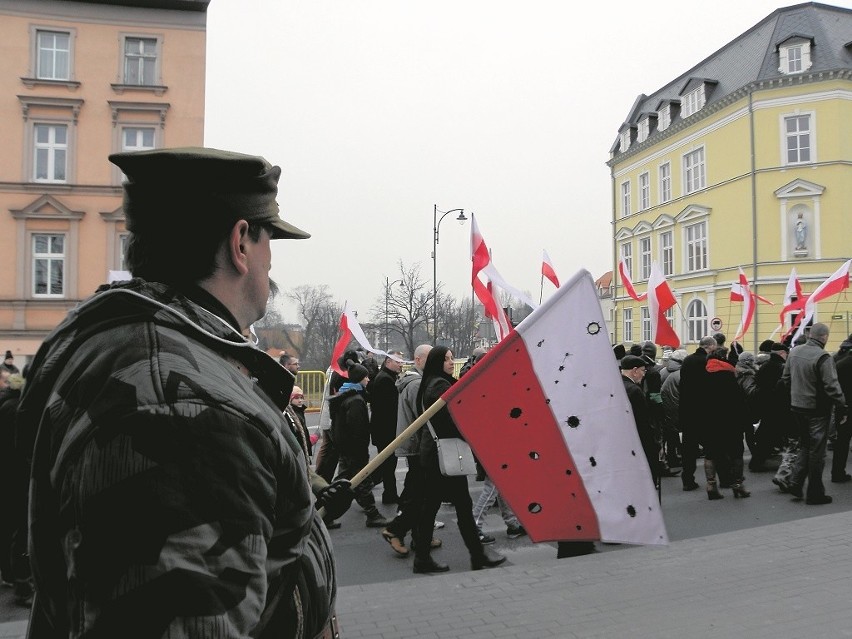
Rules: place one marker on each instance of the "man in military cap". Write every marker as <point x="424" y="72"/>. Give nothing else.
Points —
<point x="168" y="496"/>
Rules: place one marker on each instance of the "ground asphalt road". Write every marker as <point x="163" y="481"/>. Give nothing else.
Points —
<point x="767" y="566"/>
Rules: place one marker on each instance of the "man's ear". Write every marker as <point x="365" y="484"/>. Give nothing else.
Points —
<point x="238" y="238"/>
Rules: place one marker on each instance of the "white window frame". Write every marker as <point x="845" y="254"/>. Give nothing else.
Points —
<point x="667" y="252"/>
<point x="795" y="57"/>
<point x="644" y="129"/>
<point x="52" y="260"/>
<point x="664" y="117"/>
<point x="646" y="323"/>
<point x="665" y="172"/>
<point x="125" y="59"/>
<point x="625" y="198"/>
<point x="55" y="52"/>
<point x="627" y="324"/>
<point x="795" y="137"/>
<point x="644" y="257"/>
<point x="694" y="171"/>
<point x="696" y="320"/>
<point x="644" y="190"/>
<point x="51" y="149"/>
<point x="693" y="101"/>
<point x="129" y="148"/>
<point x="696" y="247"/>
<point x="624" y="140"/>
<point x="626" y="253"/>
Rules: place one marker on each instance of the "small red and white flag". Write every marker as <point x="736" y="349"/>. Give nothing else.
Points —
<point x="484" y="273"/>
<point x="661" y="299"/>
<point x="627" y="283"/>
<point x="349" y="329"/>
<point x="747" y="298"/>
<point x="547" y="269"/>
<point x="793" y="289"/>
<point x="562" y="446"/>
<point x="836" y="282"/>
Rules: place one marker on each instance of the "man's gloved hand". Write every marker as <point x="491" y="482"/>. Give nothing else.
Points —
<point x="335" y="498"/>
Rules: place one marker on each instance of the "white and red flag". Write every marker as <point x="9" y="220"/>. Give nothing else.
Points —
<point x="484" y="273"/>
<point x="546" y="413"/>
<point x="547" y="269"/>
<point x="661" y="299"/>
<point x="836" y="282"/>
<point x="350" y="329"/>
<point x="793" y="289"/>
<point x="627" y="283"/>
<point x="743" y="292"/>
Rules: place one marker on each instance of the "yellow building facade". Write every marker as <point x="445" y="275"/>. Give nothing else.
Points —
<point x="744" y="161"/>
<point x="79" y="81"/>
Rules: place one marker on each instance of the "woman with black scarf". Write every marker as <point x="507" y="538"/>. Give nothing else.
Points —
<point x="437" y="378"/>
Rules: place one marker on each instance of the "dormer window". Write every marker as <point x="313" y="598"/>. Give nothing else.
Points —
<point x="624" y="139"/>
<point x="645" y="127"/>
<point x="664" y="117"/>
<point x="693" y="101"/>
<point x="794" y="56"/>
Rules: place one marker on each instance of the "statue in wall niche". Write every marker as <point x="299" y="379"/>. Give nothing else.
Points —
<point x="800" y="228"/>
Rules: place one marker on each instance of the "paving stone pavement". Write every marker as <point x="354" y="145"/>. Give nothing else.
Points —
<point x="780" y="581"/>
<point x="777" y="581"/>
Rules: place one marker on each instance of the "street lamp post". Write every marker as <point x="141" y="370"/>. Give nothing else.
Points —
<point x="388" y="284"/>
<point x="436" y="224"/>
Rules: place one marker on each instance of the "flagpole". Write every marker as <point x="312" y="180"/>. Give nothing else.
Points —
<point x="541" y="289"/>
<point x="374" y="463"/>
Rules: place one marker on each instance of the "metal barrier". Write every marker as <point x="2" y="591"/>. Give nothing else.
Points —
<point x="312" y="383"/>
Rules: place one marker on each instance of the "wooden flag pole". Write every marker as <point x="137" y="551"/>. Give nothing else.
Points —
<point x="416" y="425"/>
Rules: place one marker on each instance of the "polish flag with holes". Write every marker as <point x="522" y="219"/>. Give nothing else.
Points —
<point x="547" y="415"/>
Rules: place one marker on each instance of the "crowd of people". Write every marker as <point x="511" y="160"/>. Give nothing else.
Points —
<point x="159" y="477"/>
<point x="785" y="402"/>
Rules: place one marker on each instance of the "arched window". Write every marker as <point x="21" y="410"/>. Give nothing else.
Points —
<point x="696" y="320"/>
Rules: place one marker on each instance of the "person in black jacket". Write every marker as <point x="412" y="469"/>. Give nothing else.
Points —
<point x="692" y="408"/>
<point x="633" y="371"/>
<point x="437" y="378"/>
<point x="840" y="455"/>
<point x="384" y="400"/>
<point x="722" y="437"/>
<point x="350" y="429"/>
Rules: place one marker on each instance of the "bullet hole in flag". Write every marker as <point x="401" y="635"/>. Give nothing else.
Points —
<point x="593" y="328"/>
<point x="515" y="413"/>
<point x="534" y="508"/>
<point x="593" y="461"/>
<point x="573" y="421"/>
<point x="534" y="455"/>
<point x="631" y="511"/>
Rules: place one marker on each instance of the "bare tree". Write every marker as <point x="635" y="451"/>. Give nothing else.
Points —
<point x="458" y="324"/>
<point x="320" y="316"/>
<point x="409" y="307"/>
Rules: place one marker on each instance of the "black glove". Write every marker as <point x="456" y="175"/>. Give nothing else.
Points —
<point x="335" y="498"/>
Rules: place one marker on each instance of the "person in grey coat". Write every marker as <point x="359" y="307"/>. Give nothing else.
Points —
<point x="811" y="375"/>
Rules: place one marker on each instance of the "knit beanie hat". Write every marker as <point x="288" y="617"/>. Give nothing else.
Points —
<point x="357" y="373"/>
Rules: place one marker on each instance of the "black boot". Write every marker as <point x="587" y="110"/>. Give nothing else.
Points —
<point x="425" y="564"/>
<point x="486" y="558"/>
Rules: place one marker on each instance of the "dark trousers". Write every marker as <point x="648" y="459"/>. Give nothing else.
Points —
<point x="438" y="488"/>
<point x="840" y="454"/>
<point x="410" y="500"/>
<point x="351" y="463"/>
<point x="327" y="457"/>
<point x="813" y="436"/>
<point x="386" y="472"/>
<point x="689" y="449"/>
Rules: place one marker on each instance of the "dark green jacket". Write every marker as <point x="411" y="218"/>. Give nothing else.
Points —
<point x="167" y="499"/>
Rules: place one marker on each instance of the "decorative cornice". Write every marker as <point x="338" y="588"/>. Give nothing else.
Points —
<point x="160" y="107"/>
<point x="731" y="98"/>
<point x="73" y="104"/>
<point x="30" y="83"/>
<point x="156" y="89"/>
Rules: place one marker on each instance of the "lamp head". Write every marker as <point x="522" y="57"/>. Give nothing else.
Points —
<point x="461" y="218"/>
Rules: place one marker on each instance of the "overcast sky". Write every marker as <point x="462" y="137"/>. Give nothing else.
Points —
<point x="376" y="110"/>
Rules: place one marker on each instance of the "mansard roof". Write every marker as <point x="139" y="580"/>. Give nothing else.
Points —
<point x="754" y="57"/>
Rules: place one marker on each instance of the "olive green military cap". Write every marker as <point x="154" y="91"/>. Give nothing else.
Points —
<point x="182" y="188"/>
